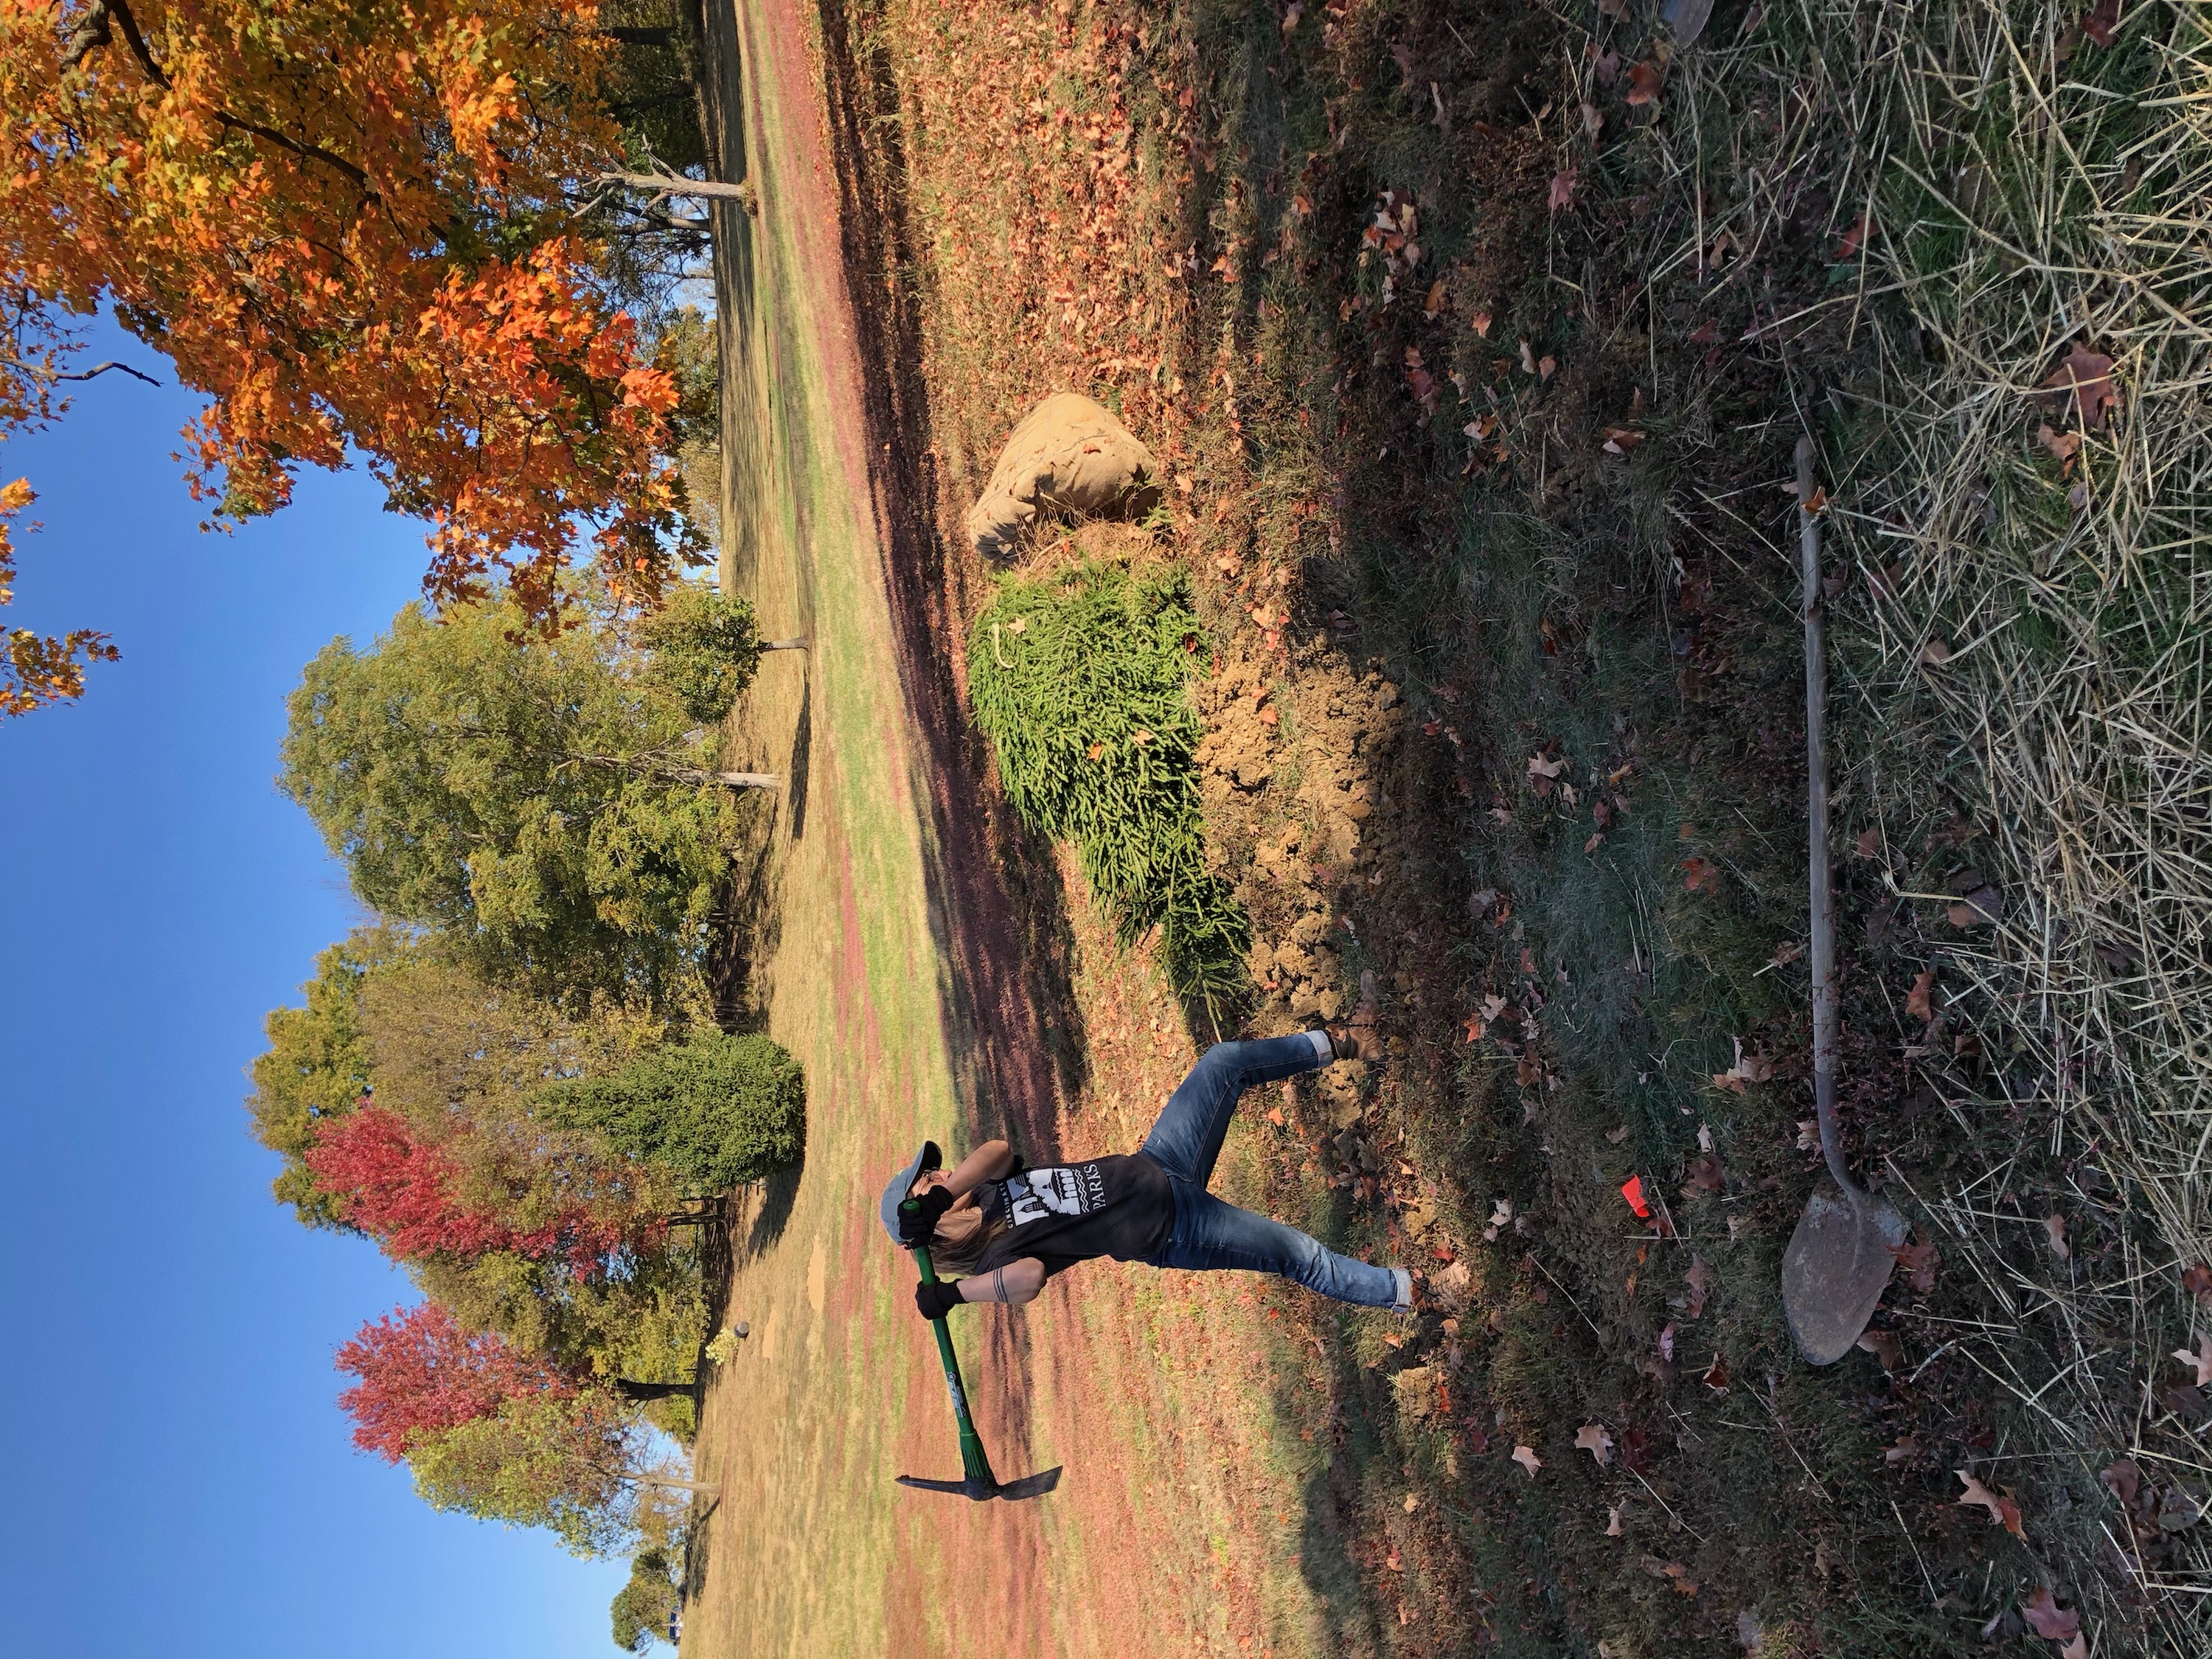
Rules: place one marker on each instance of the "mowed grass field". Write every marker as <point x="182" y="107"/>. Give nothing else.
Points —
<point x="1180" y="1512"/>
<point x="836" y="1391"/>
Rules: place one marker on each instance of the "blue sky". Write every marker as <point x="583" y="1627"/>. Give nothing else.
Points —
<point x="179" y="1481"/>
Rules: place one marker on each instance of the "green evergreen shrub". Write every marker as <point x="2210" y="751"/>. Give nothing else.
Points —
<point x="719" y="1110"/>
<point x="1079" y="678"/>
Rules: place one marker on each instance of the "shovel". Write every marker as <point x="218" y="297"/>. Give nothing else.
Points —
<point x="1839" y="1259"/>
<point x="978" y="1482"/>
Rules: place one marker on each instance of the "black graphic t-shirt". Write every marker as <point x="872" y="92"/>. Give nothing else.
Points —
<point x="1119" y="1206"/>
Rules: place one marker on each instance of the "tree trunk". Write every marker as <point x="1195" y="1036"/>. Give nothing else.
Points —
<point x="784" y="645"/>
<point x="669" y="1482"/>
<point x="668" y="183"/>
<point x="639" y="1392"/>
<point x="747" y="780"/>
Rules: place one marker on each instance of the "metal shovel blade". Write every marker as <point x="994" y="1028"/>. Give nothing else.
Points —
<point x="1834" y="1272"/>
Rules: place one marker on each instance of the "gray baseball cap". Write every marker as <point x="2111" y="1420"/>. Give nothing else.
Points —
<point x="902" y="1184"/>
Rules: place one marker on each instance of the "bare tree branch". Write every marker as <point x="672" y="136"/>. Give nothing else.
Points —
<point x="102" y="368"/>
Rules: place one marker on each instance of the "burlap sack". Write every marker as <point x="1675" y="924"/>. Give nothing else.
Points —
<point x="1068" y="457"/>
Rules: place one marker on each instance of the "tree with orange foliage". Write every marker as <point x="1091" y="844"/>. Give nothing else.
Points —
<point x="351" y="226"/>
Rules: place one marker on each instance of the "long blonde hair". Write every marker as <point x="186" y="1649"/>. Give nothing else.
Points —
<point x="960" y="1240"/>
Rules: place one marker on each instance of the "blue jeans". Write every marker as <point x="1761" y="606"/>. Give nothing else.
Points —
<point x="1210" y="1233"/>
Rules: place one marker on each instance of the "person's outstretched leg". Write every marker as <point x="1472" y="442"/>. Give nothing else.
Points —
<point x="1188" y="1137"/>
<point x="1211" y="1234"/>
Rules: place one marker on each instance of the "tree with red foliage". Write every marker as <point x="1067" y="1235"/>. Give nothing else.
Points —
<point x="409" y="1194"/>
<point x="421" y="1373"/>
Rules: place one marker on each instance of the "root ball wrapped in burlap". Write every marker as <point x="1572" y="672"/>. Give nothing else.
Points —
<point x="1069" y="458"/>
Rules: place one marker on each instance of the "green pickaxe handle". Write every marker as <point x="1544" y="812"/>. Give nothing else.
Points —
<point x="975" y="1466"/>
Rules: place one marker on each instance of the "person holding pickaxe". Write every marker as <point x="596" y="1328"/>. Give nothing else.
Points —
<point x="1005" y="1229"/>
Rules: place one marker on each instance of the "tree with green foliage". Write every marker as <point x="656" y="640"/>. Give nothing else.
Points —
<point x="461" y="1060"/>
<point x="645" y="1606"/>
<point x="719" y="1109"/>
<point x="706" y="649"/>
<point x="316" y="1069"/>
<point x="1080" y="678"/>
<point x="573" y="1464"/>
<point x="542" y="807"/>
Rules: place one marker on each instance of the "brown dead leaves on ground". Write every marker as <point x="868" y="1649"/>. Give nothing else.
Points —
<point x="2083" y="382"/>
<point x="2002" y="1510"/>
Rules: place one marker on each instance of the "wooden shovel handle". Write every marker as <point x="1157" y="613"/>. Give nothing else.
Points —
<point x="1822" y="950"/>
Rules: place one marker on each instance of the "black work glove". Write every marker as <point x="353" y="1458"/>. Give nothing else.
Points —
<point x="918" y="1217"/>
<point x="935" y="1301"/>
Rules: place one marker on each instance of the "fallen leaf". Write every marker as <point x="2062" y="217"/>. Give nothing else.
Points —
<point x="1563" y="189"/>
<point x="1904" y="1451"/>
<point x="1436" y="300"/>
<point x="2046" y="1618"/>
<point x="1593" y="120"/>
<point x="2122" y="1480"/>
<point x="1644" y="80"/>
<point x="1527" y="1460"/>
<point x="1936" y="653"/>
<point x="1717" y="1374"/>
<point x="1619" y="439"/>
<point x="1606" y="64"/>
<point x="2197" y="1281"/>
<point x="2055" y="1227"/>
<point x="1700" y="875"/>
<point x="1885" y="1347"/>
<point x="1413" y="1502"/>
<point x="1635" y="1451"/>
<point x="2086" y="378"/>
<point x="1665" y="1344"/>
<point x="1919" y="1004"/>
<point x="1851" y="241"/>
<point x="1748" y="1068"/>
<point x="1919" y="1262"/>
<point x="2063" y="446"/>
<point x="1501" y="1216"/>
<point x="1528" y="359"/>
<point x="1671" y="1570"/>
<point x="1701" y="1176"/>
<point x="1614" y="1137"/>
<point x="1870" y="843"/>
<point x="1543" y="367"/>
<point x="1808" y="1135"/>
<point x="1592" y="1439"/>
<point x="2179" y="1509"/>
<point x="2002" y="1510"/>
<point x="2076" y="1648"/>
<point x="1700" y="1281"/>
<point x="1979" y="900"/>
<point x="2200" y="1358"/>
<point x="1612" y="1521"/>
<point x="2100" y="24"/>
